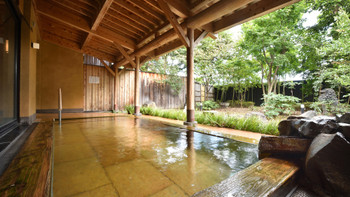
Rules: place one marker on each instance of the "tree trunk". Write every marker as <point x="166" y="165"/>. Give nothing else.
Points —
<point x="339" y="90"/>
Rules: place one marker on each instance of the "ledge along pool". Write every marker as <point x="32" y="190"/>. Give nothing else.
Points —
<point x="124" y="156"/>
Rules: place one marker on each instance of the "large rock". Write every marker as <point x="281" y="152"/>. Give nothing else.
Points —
<point x="327" y="165"/>
<point x="307" y="115"/>
<point x="290" y="127"/>
<point x="328" y="95"/>
<point x="259" y="115"/>
<point x="345" y="118"/>
<point x="345" y="130"/>
<point x="311" y="128"/>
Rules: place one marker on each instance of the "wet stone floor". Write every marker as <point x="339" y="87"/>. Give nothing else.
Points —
<point x="123" y="156"/>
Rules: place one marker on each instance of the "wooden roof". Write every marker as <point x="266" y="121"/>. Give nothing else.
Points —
<point x="119" y="30"/>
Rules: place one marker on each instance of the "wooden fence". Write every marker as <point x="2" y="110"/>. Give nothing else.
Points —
<point x="99" y="90"/>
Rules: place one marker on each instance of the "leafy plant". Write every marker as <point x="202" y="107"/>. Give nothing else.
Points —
<point x="130" y="109"/>
<point x="276" y="104"/>
<point x="209" y="105"/>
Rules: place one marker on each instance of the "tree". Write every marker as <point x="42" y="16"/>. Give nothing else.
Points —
<point x="169" y="64"/>
<point x="335" y="71"/>
<point x="210" y="56"/>
<point x="272" y="41"/>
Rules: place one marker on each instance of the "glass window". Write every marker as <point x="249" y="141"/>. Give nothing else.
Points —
<point x="8" y="55"/>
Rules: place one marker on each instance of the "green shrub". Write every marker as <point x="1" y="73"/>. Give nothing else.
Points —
<point x="276" y="104"/>
<point x="330" y="108"/>
<point x="253" y="124"/>
<point x="130" y="109"/>
<point x="209" y="105"/>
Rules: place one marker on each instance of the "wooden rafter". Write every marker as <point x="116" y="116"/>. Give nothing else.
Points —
<point x="180" y="8"/>
<point x="172" y="19"/>
<point x="251" y="12"/>
<point x="125" y="54"/>
<point x="200" y="38"/>
<point x="98" y="20"/>
<point x="63" y="16"/>
<point x="216" y="11"/>
<point x="107" y="67"/>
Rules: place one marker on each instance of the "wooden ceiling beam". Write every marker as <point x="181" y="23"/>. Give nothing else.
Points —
<point x="76" y="22"/>
<point x="145" y="7"/>
<point x="98" y="20"/>
<point x="216" y="11"/>
<point x="139" y="21"/>
<point x="180" y="8"/>
<point x="136" y="11"/>
<point x="125" y="54"/>
<point x="107" y="67"/>
<point x="201" y="4"/>
<point x="173" y="20"/>
<point x="200" y="37"/>
<point x="47" y="36"/>
<point x="251" y="12"/>
<point x="157" y="42"/>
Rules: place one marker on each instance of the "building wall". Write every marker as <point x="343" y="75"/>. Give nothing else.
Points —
<point x="28" y="55"/>
<point x="59" y="67"/>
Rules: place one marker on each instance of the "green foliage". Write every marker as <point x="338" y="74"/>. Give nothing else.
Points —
<point x="130" y="109"/>
<point x="335" y="73"/>
<point x="276" y="104"/>
<point x="221" y="120"/>
<point x="170" y="65"/>
<point x="329" y="108"/>
<point x="209" y="105"/>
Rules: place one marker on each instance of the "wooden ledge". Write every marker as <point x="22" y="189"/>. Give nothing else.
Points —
<point x="29" y="174"/>
<point x="267" y="177"/>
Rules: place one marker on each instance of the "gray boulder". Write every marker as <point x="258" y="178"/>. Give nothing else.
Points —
<point x="149" y="104"/>
<point x="311" y="128"/>
<point x="307" y="115"/>
<point x="290" y="127"/>
<point x="328" y="95"/>
<point x="327" y="165"/>
<point x="345" y="118"/>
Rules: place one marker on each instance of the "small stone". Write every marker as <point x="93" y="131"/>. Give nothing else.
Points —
<point x="327" y="164"/>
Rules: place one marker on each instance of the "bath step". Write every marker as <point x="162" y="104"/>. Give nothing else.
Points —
<point x="267" y="177"/>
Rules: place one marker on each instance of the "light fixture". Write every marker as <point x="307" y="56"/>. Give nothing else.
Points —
<point x="35" y="45"/>
<point x="7" y="46"/>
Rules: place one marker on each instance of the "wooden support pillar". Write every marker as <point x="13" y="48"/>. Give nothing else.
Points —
<point x="116" y="89"/>
<point x="190" y="79"/>
<point x="137" y="87"/>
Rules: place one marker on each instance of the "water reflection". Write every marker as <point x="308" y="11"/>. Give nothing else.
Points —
<point x="192" y="160"/>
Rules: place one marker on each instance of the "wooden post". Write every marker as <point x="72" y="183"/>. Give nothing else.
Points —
<point x="116" y="88"/>
<point x="60" y="105"/>
<point x="190" y="79"/>
<point x="137" y="87"/>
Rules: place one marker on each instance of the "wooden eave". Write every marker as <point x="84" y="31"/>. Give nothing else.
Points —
<point x="120" y="30"/>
